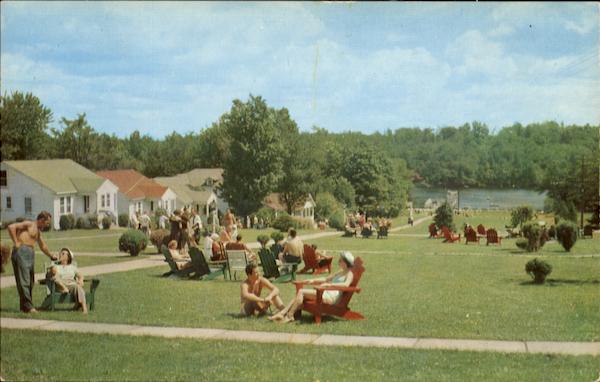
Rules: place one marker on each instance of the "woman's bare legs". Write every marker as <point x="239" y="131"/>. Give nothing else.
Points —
<point x="287" y="314"/>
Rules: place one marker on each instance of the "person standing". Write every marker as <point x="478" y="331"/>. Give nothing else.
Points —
<point x="24" y="236"/>
<point x="196" y="225"/>
<point x="175" y="221"/>
<point x="145" y="223"/>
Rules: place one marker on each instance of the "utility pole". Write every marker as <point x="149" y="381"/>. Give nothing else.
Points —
<point x="582" y="190"/>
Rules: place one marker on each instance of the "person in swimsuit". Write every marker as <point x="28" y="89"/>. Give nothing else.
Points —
<point x="343" y="278"/>
<point x="251" y="288"/>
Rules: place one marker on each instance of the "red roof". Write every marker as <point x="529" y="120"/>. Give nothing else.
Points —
<point x="133" y="184"/>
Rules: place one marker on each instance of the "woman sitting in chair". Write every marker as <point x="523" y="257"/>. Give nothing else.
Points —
<point x="182" y="261"/>
<point x="342" y="278"/>
<point x="67" y="279"/>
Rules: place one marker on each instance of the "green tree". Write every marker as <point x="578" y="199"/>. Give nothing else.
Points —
<point x="23" y="124"/>
<point x="520" y="215"/>
<point x="444" y="217"/>
<point x="76" y="141"/>
<point x="253" y="167"/>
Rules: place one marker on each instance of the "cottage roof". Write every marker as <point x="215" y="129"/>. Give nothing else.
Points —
<point x="133" y="184"/>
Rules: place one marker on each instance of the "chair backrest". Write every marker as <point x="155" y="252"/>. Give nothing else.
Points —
<point x="234" y="246"/>
<point x="169" y="258"/>
<point x="268" y="263"/>
<point x="310" y="257"/>
<point x="481" y="229"/>
<point x="276" y="249"/>
<point x="237" y="260"/>
<point x="492" y="236"/>
<point x="470" y="234"/>
<point x="222" y="253"/>
<point x="198" y="260"/>
<point x="357" y="271"/>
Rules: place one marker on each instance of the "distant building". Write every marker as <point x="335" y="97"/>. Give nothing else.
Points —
<point x="304" y="209"/>
<point x="59" y="186"/>
<point x="138" y="193"/>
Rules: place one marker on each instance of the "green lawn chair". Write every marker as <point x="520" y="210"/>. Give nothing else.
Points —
<point x="270" y="269"/>
<point x="173" y="265"/>
<point x="203" y="267"/>
<point x="55" y="297"/>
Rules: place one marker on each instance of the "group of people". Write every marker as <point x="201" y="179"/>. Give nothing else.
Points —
<point x="63" y="272"/>
<point x="360" y="222"/>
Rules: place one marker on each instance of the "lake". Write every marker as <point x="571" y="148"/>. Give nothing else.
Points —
<point x="482" y="198"/>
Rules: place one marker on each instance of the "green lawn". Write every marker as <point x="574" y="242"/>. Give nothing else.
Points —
<point x="63" y="356"/>
<point x="409" y="295"/>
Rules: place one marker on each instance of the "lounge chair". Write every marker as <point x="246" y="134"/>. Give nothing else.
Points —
<point x="471" y="236"/>
<point x="271" y="270"/>
<point x="312" y="264"/>
<point x="449" y="236"/>
<point x="492" y="237"/>
<point x="207" y="270"/>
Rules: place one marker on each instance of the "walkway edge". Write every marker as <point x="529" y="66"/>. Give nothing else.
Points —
<point x="529" y="347"/>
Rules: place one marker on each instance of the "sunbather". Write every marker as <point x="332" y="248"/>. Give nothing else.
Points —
<point x="182" y="262"/>
<point x="251" y="288"/>
<point x="342" y="278"/>
<point x="68" y="279"/>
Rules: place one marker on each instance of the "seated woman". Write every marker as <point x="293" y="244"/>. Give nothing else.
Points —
<point x="68" y="279"/>
<point x="241" y="246"/>
<point x="342" y="278"/>
<point x="251" y="288"/>
<point x="321" y="258"/>
<point x="224" y="236"/>
<point x="182" y="262"/>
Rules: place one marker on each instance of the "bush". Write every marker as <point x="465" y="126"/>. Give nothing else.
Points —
<point x="133" y="241"/>
<point x="443" y="217"/>
<point x="123" y="220"/>
<point x="284" y="222"/>
<point x="566" y="234"/>
<point x="536" y="236"/>
<point x="522" y="243"/>
<point x="266" y="214"/>
<point x="304" y="223"/>
<point x="82" y="223"/>
<point x="538" y="270"/>
<point x="552" y="232"/>
<point x="337" y="220"/>
<point x="277" y="236"/>
<point x="106" y="222"/>
<point x="263" y="240"/>
<point x="520" y="215"/>
<point x="160" y="237"/>
<point x="66" y="222"/>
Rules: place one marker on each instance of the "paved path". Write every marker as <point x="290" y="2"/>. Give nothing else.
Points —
<point x="546" y="347"/>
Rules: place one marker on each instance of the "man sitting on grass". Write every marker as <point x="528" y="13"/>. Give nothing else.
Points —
<point x="251" y="288"/>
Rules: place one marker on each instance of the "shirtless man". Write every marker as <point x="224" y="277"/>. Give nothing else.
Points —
<point x="251" y="302"/>
<point x="24" y="235"/>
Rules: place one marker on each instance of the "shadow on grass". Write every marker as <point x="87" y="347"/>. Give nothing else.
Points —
<point x="558" y="282"/>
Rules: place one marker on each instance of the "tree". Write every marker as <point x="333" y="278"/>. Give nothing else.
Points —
<point x="444" y="217"/>
<point x="23" y="124"/>
<point x="253" y="167"/>
<point x="76" y="140"/>
<point x="520" y="215"/>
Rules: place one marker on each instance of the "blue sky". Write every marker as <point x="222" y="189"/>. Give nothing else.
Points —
<point x="162" y="67"/>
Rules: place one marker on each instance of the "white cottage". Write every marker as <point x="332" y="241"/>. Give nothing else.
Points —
<point x="138" y="193"/>
<point x="305" y="208"/>
<point x="59" y="186"/>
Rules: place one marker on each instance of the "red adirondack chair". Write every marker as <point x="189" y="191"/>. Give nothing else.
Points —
<point x="311" y="262"/>
<point x="471" y="236"/>
<point x="481" y="230"/>
<point x="492" y="237"/>
<point x="318" y="308"/>
<point x="449" y="236"/>
<point x="433" y="232"/>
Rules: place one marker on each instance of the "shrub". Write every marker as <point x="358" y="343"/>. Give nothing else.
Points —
<point x="522" y="243"/>
<point x="266" y="214"/>
<point x="304" y="223"/>
<point x="277" y="236"/>
<point x="284" y="222"/>
<point x="123" y="220"/>
<point x="160" y="237"/>
<point x="82" y="223"/>
<point x="92" y="220"/>
<point x="263" y="240"/>
<point x="520" y="215"/>
<point x="538" y="270"/>
<point x="552" y="232"/>
<point x="337" y="220"/>
<point x="106" y="222"/>
<point x="66" y="222"/>
<point x="566" y="234"/>
<point x="133" y="241"/>
<point x="443" y="217"/>
<point x="535" y="234"/>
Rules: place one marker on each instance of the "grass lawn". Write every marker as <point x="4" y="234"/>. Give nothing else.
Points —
<point x="404" y="294"/>
<point x="70" y="356"/>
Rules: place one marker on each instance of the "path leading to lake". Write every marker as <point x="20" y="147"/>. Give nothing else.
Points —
<point x="530" y="347"/>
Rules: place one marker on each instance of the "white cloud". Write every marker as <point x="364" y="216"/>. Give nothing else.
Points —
<point x="587" y="23"/>
<point x="502" y="30"/>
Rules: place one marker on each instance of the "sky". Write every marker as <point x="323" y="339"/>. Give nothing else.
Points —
<point x="159" y="67"/>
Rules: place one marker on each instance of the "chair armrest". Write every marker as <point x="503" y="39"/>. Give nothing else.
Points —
<point x="339" y="288"/>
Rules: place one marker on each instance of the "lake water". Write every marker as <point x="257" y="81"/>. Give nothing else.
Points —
<point x="481" y="198"/>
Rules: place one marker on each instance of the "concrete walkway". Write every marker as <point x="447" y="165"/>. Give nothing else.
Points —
<point x="530" y="347"/>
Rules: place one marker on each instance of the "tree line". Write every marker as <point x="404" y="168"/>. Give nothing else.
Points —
<point x="262" y="150"/>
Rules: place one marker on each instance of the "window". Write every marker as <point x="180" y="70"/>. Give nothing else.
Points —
<point x="8" y="202"/>
<point x="152" y="205"/>
<point x="103" y="204"/>
<point x="62" y="206"/>
<point x="86" y="204"/>
<point x="107" y="200"/>
<point x="28" y="208"/>
<point x="3" y="181"/>
<point x="69" y="206"/>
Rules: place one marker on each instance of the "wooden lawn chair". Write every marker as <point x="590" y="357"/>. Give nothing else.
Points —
<point x="236" y="262"/>
<point x="382" y="232"/>
<point x="492" y="237"/>
<point x="449" y="236"/>
<point x="174" y="271"/>
<point x="54" y="297"/>
<point x="208" y="270"/>
<point x="366" y="233"/>
<point x="471" y="236"/>
<point x="433" y="231"/>
<point x="271" y="270"/>
<point x="312" y="264"/>
<point x="481" y="230"/>
<point x="318" y="308"/>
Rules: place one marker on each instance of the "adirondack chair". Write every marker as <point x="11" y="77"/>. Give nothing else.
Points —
<point x="492" y="237"/>
<point x="349" y="232"/>
<point x="471" y="236"/>
<point x="433" y="231"/>
<point x="311" y="262"/>
<point x="449" y="237"/>
<point x="366" y="233"/>
<point x="318" y="308"/>
<point x="481" y="230"/>
<point x="382" y="232"/>
<point x="207" y="270"/>
<point x="55" y="297"/>
<point x="173" y="265"/>
<point x="236" y="262"/>
<point x="270" y="269"/>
